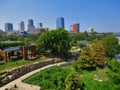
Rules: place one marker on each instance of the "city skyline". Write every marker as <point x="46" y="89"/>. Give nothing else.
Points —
<point x="102" y="15"/>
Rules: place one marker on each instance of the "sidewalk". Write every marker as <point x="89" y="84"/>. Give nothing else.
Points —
<point x="24" y="86"/>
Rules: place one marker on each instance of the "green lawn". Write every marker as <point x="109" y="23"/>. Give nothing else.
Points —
<point x="103" y="82"/>
<point x="96" y="79"/>
<point x="14" y="64"/>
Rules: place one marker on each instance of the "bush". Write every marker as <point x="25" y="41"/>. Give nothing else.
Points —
<point x="113" y="65"/>
<point x="50" y="79"/>
<point x="10" y="44"/>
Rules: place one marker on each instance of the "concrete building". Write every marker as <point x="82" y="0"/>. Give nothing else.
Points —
<point x="90" y="30"/>
<point x="39" y="25"/>
<point x="30" y="25"/>
<point x="8" y="27"/>
<point x="38" y="31"/>
<point x="30" y="22"/>
<point x="2" y="32"/>
<point x="75" y="28"/>
<point x="60" y="23"/>
<point x="21" y="26"/>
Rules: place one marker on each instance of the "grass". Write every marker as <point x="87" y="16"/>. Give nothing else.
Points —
<point x="102" y="82"/>
<point x="15" y="64"/>
<point x="99" y="76"/>
<point x="89" y="75"/>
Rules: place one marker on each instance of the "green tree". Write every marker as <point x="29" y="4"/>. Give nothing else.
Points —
<point x="92" y="55"/>
<point x="85" y="61"/>
<point x="98" y="52"/>
<point x="12" y="37"/>
<point x="33" y="37"/>
<point x="77" y="68"/>
<point x="72" y="82"/>
<point x="20" y="38"/>
<point x="116" y="78"/>
<point x="80" y="45"/>
<point x="114" y="65"/>
<point x="55" y="41"/>
<point x="27" y="41"/>
<point x="110" y="43"/>
<point x="3" y="38"/>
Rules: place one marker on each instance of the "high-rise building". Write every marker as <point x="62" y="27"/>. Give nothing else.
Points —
<point x="40" y="25"/>
<point x="90" y="30"/>
<point x="60" y="22"/>
<point x="21" y="26"/>
<point x="8" y="27"/>
<point x="30" y="25"/>
<point x="75" y="28"/>
<point x="30" y="22"/>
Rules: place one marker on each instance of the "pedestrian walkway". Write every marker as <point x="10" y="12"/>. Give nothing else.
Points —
<point x="23" y="86"/>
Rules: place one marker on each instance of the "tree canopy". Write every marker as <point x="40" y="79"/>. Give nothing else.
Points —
<point x="55" y="41"/>
<point x="83" y="36"/>
<point x="72" y="82"/>
<point x="92" y="55"/>
<point x="110" y="43"/>
<point x="98" y="52"/>
<point x="85" y="61"/>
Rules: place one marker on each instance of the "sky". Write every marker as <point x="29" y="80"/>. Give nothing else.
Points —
<point x="102" y="15"/>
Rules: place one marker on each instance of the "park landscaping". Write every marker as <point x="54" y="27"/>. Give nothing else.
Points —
<point x="19" y="63"/>
<point x="94" y="69"/>
<point x="55" y="78"/>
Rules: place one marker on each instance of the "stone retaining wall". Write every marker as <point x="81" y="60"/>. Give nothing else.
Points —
<point x="8" y="76"/>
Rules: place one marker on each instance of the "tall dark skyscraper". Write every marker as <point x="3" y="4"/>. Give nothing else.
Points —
<point x="30" y="25"/>
<point x="21" y="26"/>
<point x="60" y="22"/>
<point x="30" y="22"/>
<point x="8" y="27"/>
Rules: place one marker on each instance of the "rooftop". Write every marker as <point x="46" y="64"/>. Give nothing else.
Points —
<point x="12" y="49"/>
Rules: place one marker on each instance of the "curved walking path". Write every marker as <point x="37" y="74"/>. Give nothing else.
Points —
<point x="24" y="86"/>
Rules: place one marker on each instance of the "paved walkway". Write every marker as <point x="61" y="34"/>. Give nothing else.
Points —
<point x="24" y="86"/>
